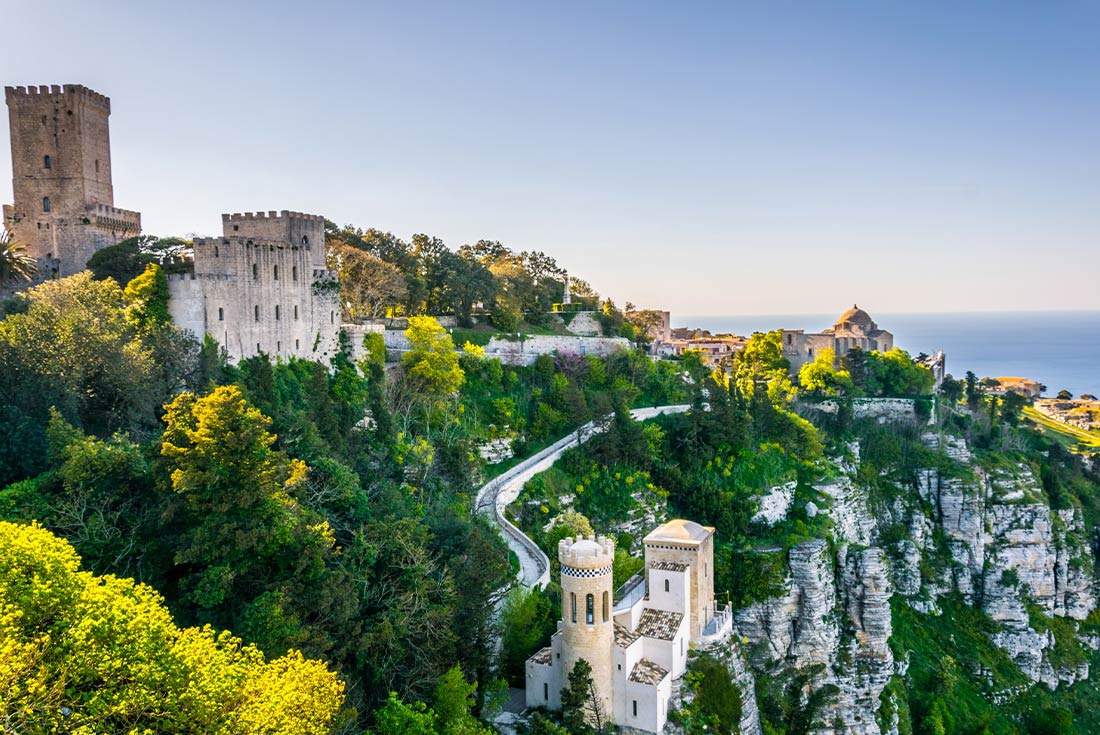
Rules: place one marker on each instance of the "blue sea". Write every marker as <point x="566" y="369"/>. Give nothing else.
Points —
<point x="1060" y="349"/>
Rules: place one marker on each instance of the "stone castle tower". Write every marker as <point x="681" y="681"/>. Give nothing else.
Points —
<point x="588" y="626"/>
<point x="262" y="286"/>
<point x="61" y="177"/>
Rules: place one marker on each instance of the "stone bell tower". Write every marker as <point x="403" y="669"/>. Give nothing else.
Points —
<point x="61" y="177"/>
<point x="588" y="626"/>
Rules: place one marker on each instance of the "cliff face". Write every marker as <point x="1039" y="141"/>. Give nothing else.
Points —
<point x="836" y="613"/>
<point x="985" y="533"/>
<point x="1011" y="555"/>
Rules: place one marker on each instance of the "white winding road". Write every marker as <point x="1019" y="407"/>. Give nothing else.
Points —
<point x="496" y="494"/>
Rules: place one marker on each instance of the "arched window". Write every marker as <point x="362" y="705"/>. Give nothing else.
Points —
<point x="296" y="345"/>
<point x="605" y="605"/>
<point x="276" y="312"/>
<point x="256" y="311"/>
<point x="305" y="240"/>
<point x="589" y="609"/>
<point x="278" y="347"/>
<point x="276" y="273"/>
<point x="97" y="165"/>
<point x="216" y="251"/>
<point x="257" y="348"/>
<point x="255" y="272"/>
<point x="221" y="314"/>
<point x="666" y="585"/>
<point x="332" y="317"/>
<point x="45" y="204"/>
<point x="295" y="312"/>
<point x="47" y="163"/>
<point x="294" y="273"/>
<point x="573" y="603"/>
<point x="790" y="339"/>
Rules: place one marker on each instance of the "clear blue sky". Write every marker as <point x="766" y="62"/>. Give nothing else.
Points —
<point x="710" y="159"/>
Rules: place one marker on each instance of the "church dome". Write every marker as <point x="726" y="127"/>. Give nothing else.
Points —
<point x="856" y="316"/>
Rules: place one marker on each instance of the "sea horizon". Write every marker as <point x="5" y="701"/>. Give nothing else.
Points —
<point x="1058" y="348"/>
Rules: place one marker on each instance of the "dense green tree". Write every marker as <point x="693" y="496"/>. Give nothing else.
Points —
<point x="581" y="711"/>
<point x="715" y="705"/>
<point x="128" y="259"/>
<point x="397" y="718"/>
<point x="1012" y="406"/>
<point x="76" y="348"/>
<point x="247" y="556"/>
<point x="452" y="704"/>
<point x="527" y="619"/>
<point x="952" y="390"/>
<point x="973" y="392"/>
<point x="369" y="286"/>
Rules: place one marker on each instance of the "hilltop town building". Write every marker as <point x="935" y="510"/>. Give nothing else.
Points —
<point x="854" y="328"/>
<point x="63" y="208"/>
<point x="262" y="287"/>
<point x="637" y="645"/>
<point x="712" y="350"/>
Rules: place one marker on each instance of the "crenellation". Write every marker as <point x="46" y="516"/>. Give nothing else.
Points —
<point x="252" y="289"/>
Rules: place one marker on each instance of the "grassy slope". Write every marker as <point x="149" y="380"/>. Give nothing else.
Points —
<point x="1068" y="436"/>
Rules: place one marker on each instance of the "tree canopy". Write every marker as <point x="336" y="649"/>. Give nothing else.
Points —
<point x="83" y="653"/>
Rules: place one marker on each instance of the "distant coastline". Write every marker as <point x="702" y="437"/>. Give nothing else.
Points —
<point x="1060" y="349"/>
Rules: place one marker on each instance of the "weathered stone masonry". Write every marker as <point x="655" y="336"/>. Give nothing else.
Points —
<point x="63" y="208"/>
<point x="262" y="287"/>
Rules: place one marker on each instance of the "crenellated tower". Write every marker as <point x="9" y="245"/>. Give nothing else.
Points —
<point x="262" y="287"/>
<point x="63" y="208"/>
<point x="588" y="626"/>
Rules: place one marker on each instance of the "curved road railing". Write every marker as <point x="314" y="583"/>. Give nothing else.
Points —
<point x="495" y="496"/>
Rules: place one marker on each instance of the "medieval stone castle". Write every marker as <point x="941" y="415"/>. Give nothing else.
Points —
<point x="64" y="206"/>
<point x="262" y="287"/>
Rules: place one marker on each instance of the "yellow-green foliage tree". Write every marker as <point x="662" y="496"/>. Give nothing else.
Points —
<point x="431" y="362"/>
<point x="821" y="376"/>
<point x="81" y="653"/>
<point x="248" y="556"/>
<point x="147" y="297"/>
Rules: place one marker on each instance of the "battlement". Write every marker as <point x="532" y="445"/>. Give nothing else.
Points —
<point x="590" y="553"/>
<point x="34" y="93"/>
<point x="246" y="242"/>
<point x="115" y="214"/>
<point x="272" y="215"/>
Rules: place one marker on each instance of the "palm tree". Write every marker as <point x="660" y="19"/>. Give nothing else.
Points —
<point x="15" y="264"/>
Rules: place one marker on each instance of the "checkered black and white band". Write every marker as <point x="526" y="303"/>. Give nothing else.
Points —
<point x="584" y="573"/>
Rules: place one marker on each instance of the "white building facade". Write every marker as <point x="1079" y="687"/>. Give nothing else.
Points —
<point x="638" y="645"/>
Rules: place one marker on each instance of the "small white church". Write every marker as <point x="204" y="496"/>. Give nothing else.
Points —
<point x="638" y="645"/>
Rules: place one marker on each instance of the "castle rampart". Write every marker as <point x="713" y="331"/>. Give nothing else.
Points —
<point x="262" y="288"/>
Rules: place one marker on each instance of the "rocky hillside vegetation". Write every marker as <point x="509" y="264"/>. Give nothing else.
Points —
<point x="898" y="565"/>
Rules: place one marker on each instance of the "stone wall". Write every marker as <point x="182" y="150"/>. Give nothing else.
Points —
<point x="522" y="351"/>
<point x="584" y="324"/>
<point x="884" y="409"/>
<point x="525" y="351"/>
<point x="355" y="334"/>
<point x="266" y="296"/>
